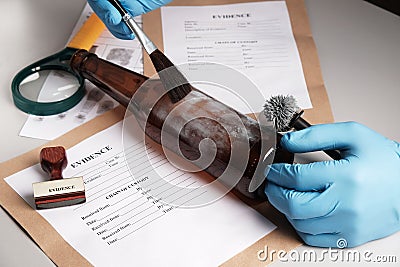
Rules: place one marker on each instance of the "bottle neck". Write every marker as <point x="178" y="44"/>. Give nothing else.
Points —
<point x="114" y="80"/>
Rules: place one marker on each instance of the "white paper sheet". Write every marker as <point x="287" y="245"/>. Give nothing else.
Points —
<point x="254" y="38"/>
<point x="127" y="54"/>
<point x="122" y="225"/>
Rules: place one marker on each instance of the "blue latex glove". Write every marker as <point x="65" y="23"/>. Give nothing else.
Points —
<point x="113" y="20"/>
<point x="353" y="200"/>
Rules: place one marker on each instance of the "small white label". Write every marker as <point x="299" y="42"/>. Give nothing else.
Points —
<point x="56" y="187"/>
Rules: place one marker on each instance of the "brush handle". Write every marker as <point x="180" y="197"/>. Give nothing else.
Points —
<point x="147" y="44"/>
<point x="300" y="124"/>
<point x="118" y="6"/>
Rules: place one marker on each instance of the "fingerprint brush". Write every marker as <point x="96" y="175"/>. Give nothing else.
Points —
<point x="173" y="80"/>
<point x="285" y="114"/>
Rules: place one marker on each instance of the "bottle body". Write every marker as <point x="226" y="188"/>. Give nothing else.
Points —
<point x="192" y="120"/>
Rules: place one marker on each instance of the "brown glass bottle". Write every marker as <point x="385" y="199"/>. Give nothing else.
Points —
<point x="214" y="122"/>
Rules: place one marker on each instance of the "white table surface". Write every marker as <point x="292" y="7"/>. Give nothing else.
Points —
<point x="359" y="49"/>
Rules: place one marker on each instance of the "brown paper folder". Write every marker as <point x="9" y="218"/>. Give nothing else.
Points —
<point x="45" y="236"/>
<point x="283" y="238"/>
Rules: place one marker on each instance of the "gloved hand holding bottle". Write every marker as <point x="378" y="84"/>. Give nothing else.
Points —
<point x="113" y="20"/>
<point x="339" y="203"/>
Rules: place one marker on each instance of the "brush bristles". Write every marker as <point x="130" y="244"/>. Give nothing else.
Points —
<point x="172" y="79"/>
<point x="177" y="85"/>
<point x="280" y="110"/>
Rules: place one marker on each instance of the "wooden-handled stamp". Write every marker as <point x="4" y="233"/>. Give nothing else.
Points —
<point x="57" y="192"/>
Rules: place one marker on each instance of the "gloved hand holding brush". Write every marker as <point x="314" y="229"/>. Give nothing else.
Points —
<point x="338" y="203"/>
<point x="113" y="20"/>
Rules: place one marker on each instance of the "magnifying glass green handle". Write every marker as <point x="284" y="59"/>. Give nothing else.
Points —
<point x="52" y="62"/>
<point x="84" y="39"/>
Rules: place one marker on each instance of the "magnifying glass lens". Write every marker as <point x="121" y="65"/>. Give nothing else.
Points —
<point x="49" y="86"/>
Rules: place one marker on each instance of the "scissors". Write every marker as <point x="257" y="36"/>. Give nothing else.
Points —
<point x="49" y="86"/>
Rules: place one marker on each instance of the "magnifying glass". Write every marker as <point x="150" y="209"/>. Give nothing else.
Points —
<point x="49" y="86"/>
